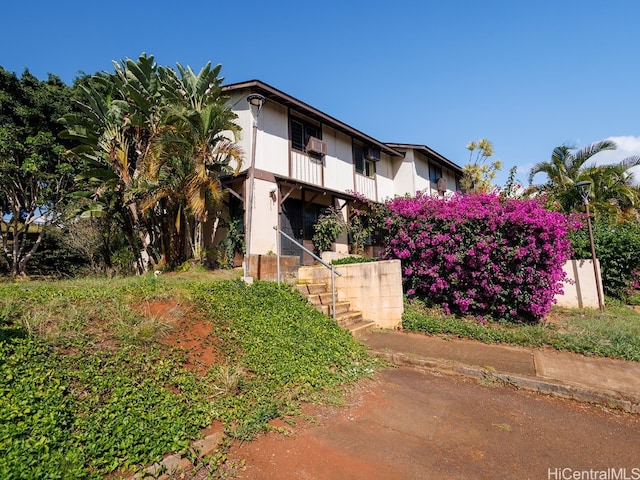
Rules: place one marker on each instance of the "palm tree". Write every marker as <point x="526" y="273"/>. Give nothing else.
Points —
<point x="612" y="187"/>
<point x="614" y="194"/>
<point x="195" y="143"/>
<point x="114" y="130"/>
<point x="157" y="139"/>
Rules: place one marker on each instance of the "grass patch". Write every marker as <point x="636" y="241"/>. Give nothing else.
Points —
<point x="612" y="333"/>
<point x="89" y="385"/>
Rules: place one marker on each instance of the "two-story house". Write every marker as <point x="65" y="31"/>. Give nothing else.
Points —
<point x="299" y="161"/>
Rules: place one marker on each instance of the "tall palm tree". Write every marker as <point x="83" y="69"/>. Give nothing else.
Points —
<point x="118" y="120"/>
<point x="614" y="194"/>
<point x="568" y="166"/>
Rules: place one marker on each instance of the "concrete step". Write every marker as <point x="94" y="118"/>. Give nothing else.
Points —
<point x="312" y="288"/>
<point x="321" y="298"/>
<point x="341" y="307"/>
<point x="361" y="328"/>
<point x="350" y="318"/>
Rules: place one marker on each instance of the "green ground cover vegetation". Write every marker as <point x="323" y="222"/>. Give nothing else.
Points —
<point x="90" y="387"/>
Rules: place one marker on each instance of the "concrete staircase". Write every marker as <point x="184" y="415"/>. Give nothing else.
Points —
<point x="319" y="295"/>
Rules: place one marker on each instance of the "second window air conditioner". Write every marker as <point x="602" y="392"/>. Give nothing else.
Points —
<point x="372" y="154"/>
<point x="316" y="146"/>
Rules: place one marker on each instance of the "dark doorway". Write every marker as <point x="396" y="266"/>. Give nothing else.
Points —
<point x="298" y="220"/>
<point x="291" y="223"/>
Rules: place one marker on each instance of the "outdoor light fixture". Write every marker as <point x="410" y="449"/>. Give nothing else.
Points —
<point x="584" y="188"/>
<point x="254" y="100"/>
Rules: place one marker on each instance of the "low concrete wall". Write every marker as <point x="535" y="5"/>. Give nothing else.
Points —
<point x="265" y="267"/>
<point x="580" y="291"/>
<point x="373" y="288"/>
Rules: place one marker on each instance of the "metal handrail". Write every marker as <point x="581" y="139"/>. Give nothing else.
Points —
<point x="334" y="272"/>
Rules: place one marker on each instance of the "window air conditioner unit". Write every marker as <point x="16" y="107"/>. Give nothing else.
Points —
<point x="316" y="146"/>
<point x="372" y="154"/>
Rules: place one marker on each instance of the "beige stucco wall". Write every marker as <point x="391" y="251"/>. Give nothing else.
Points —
<point x="404" y="174"/>
<point x="272" y="144"/>
<point x="265" y="217"/>
<point x="373" y="288"/>
<point x="384" y="176"/>
<point x="421" y="173"/>
<point x="412" y="175"/>
<point x="272" y="140"/>
<point x="580" y="290"/>
<point x="338" y="173"/>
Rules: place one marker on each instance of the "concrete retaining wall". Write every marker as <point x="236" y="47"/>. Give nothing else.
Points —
<point x="373" y="288"/>
<point x="580" y="291"/>
<point x="265" y="267"/>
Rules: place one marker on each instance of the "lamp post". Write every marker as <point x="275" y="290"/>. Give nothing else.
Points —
<point x="256" y="101"/>
<point x="584" y="188"/>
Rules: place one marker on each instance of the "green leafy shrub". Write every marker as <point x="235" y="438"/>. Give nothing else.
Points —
<point x="90" y="413"/>
<point x="617" y="249"/>
<point x="287" y="346"/>
<point x="232" y="243"/>
<point x="352" y="260"/>
<point x="36" y="414"/>
<point x="328" y="228"/>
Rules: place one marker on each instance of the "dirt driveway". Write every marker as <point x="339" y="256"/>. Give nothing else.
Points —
<point x="409" y="424"/>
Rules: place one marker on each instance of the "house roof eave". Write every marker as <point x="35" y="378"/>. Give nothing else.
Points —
<point x="428" y="152"/>
<point x="272" y="93"/>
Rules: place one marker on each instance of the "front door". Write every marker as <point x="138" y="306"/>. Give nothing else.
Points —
<point x="292" y="223"/>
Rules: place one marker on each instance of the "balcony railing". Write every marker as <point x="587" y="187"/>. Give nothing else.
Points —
<point x="366" y="186"/>
<point x="306" y="168"/>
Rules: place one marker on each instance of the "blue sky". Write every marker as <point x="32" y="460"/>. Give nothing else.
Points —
<point x="527" y="75"/>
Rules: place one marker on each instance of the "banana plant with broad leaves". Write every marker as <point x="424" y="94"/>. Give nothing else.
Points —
<point x="157" y="139"/>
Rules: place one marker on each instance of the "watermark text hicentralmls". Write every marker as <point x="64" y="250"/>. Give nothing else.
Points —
<point x="567" y="473"/>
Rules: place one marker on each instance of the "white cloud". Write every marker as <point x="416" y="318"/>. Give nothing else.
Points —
<point x="627" y="146"/>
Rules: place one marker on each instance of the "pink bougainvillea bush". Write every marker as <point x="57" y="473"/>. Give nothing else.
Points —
<point x="480" y="254"/>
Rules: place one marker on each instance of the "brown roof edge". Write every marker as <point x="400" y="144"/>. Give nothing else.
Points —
<point x="279" y="96"/>
<point x="429" y="152"/>
<point x="349" y="197"/>
<point x="283" y="179"/>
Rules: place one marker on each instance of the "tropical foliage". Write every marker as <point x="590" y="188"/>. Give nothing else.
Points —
<point x="613" y="194"/>
<point x="328" y="228"/>
<point x="478" y="174"/>
<point x="94" y="388"/>
<point x="154" y="142"/>
<point x="36" y="177"/>
<point x="480" y="254"/>
<point x="618" y="250"/>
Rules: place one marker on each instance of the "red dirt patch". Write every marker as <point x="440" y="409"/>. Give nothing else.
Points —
<point x="190" y="331"/>
<point x="406" y="424"/>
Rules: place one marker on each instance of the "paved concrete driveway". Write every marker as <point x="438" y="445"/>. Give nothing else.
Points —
<point x="409" y="424"/>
